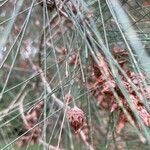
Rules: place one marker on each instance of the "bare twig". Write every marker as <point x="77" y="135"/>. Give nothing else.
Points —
<point x="21" y="108"/>
<point x="26" y="123"/>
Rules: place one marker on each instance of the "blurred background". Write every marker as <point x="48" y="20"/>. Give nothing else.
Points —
<point x="56" y="55"/>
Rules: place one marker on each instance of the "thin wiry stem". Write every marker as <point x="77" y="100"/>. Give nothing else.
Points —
<point x="12" y="104"/>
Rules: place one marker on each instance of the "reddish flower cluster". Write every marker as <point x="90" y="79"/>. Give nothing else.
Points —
<point x="106" y="99"/>
<point x="31" y="120"/>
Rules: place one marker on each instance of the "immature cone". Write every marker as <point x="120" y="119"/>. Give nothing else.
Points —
<point x="76" y="118"/>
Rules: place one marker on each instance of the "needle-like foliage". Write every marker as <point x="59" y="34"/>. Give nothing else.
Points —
<point x="74" y="74"/>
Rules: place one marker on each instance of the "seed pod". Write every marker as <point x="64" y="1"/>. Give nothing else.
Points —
<point x="76" y="118"/>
